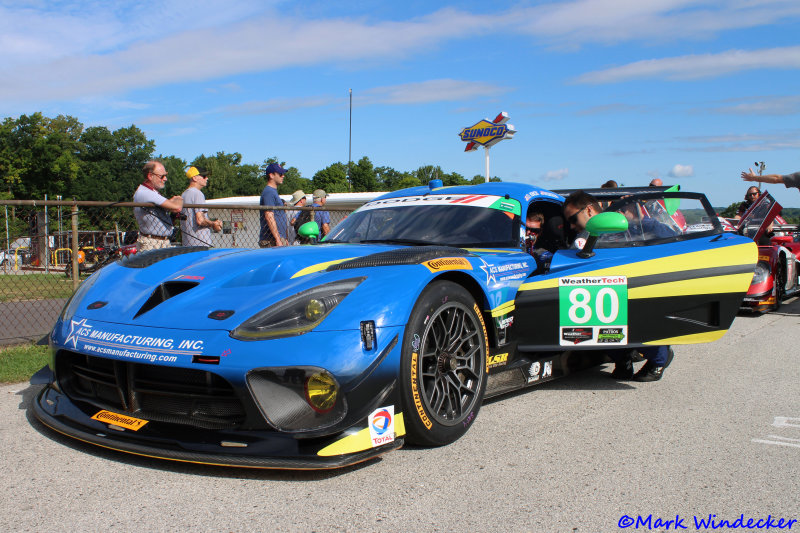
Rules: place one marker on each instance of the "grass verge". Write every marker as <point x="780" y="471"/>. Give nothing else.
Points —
<point x="19" y="363"/>
<point x="34" y="287"/>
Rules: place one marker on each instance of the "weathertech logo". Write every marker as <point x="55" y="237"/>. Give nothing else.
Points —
<point x="577" y="335"/>
<point x="448" y="263"/>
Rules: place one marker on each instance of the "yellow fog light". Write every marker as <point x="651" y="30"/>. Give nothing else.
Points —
<point x="321" y="391"/>
<point x="314" y="310"/>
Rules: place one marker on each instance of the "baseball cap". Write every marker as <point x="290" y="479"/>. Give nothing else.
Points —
<point x="319" y="193"/>
<point x="193" y="171"/>
<point x="296" y="197"/>
<point x="274" y="168"/>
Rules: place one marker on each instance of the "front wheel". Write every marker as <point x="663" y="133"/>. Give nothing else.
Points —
<point x="443" y="365"/>
<point x="780" y="286"/>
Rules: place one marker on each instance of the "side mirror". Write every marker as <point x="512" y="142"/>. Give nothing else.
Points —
<point x="600" y="224"/>
<point x="309" y="230"/>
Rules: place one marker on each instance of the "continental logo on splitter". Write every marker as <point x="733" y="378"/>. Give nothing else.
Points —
<point x="448" y="263"/>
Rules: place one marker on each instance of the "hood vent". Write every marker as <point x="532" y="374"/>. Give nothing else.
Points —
<point x="164" y="292"/>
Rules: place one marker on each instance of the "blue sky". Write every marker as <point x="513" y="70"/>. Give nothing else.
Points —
<point x="690" y="91"/>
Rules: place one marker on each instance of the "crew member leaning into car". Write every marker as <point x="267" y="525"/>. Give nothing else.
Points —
<point x="155" y="222"/>
<point x="579" y="207"/>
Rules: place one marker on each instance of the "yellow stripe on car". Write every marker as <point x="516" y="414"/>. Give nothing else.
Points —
<point x="359" y="441"/>
<point x="319" y="266"/>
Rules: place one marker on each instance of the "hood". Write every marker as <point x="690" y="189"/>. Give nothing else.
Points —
<point x="183" y="291"/>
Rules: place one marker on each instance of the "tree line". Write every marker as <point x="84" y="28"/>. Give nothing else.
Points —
<point x="58" y="156"/>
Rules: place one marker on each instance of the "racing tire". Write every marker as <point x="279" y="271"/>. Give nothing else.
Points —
<point x="443" y="365"/>
<point x="780" y="285"/>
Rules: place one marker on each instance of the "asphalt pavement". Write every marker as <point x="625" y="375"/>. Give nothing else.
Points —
<point x="719" y="435"/>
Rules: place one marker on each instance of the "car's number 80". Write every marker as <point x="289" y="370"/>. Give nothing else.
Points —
<point x="580" y="309"/>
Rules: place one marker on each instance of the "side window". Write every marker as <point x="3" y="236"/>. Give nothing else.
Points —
<point x="656" y="220"/>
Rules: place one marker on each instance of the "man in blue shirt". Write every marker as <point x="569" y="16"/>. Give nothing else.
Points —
<point x="323" y="218"/>
<point x="273" y="222"/>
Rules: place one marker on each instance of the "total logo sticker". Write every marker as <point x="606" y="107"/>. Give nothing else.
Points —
<point x="381" y="425"/>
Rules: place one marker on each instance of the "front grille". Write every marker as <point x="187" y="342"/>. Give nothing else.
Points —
<point x="176" y="395"/>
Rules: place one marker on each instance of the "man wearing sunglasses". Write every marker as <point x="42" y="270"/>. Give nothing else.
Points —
<point x="749" y="198"/>
<point x="155" y="222"/>
<point x="579" y="207"/>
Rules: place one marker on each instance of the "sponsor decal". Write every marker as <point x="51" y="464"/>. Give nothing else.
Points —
<point x="415" y="392"/>
<point x="415" y="342"/>
<point x="503" y="323"/>
<point x="539" y="371"/>
<point x="764" y="258"/>
<point x="483" y="325"/>
<point x="475" y="200"/>
<point x="381" y="425"/>
<point x="448" y="263"/>
<point x="576" y="335"/>
<point x="193" y="278"/>
<point x="127" y="422"/>
<point x="86" y="337"/>
<point x="593" y="310"/>
<point x="610" y="335"/>
<point x="493" y="361"/>
<point x="504" y="272"/>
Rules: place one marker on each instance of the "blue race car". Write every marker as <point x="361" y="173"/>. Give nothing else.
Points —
<point x="414" y="309"/>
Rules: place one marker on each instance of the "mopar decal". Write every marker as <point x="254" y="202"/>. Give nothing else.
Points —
<point x="415" y="392"/>
<point x="448" y="263"/>
<point x="591" y="305"/>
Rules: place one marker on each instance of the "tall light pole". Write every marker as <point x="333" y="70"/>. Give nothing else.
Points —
<point x="350" y="142"/>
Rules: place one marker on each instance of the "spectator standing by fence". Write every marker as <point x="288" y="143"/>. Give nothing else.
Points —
<point x="155" y="223"/>
<point x="273" y="222"/>
<point x="195" y="225"/>
<point x="323" y="218"/>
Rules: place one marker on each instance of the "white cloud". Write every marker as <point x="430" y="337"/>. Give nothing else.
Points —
<point x="443" y="90"/>
<point x="682" y="171"/>
<point x="198" y="55"/>
<point x="698" y="66"/>
<point x="574" y="23"/>
<point x="769" y="105"/>
<point x="555" y="175"/>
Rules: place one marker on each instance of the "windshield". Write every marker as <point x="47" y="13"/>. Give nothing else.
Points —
<point x="448" y="225"/>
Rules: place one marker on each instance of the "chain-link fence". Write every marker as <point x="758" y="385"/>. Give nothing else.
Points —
<point x="50" y="246"/>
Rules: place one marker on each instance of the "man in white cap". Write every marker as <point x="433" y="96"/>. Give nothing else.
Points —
<point x="323" y="218"/>
<point x="297" y="218"/>
<point x="196" y="227"/>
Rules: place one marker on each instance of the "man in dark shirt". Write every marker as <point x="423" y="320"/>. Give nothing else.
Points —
<point x="273" y="222"/>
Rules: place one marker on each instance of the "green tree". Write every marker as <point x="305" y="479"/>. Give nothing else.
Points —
<point x="332" y="178"/>
<point x="363" y="177"/>
<point x="39" y="155"/>
<point x="730" y="211"/>
<point x="389" y="178"/>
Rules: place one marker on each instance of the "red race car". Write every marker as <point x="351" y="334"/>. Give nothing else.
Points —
<point x="776" y="273"/>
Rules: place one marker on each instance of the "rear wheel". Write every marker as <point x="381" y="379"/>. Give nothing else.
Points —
<point x="443" y="365"/>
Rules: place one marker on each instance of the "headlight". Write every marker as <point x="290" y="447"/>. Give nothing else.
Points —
<point x="77" y="297"/>
<point x="297" y="314"/>
<point x="761" y="273"/>
<point x="294" y="399"/>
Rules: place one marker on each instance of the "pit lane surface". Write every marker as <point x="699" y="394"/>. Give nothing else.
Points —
<point x="720" y="434"/>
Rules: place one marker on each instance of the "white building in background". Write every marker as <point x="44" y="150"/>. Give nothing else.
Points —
<point x="243" y="225"/>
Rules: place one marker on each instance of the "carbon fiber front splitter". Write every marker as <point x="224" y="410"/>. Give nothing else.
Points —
<point x="56" y="411"/>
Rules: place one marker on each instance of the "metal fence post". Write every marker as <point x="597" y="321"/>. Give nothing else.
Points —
<point x="75" y="272"/>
